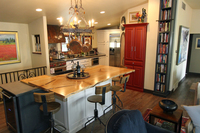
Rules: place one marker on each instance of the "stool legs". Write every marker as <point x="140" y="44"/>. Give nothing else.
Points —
<point x="114" y="103"/>
<point x="95" y="117"/>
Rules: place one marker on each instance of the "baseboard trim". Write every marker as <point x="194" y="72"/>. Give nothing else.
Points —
<point x="148" y="91"/>
<point x="181" y="81"/>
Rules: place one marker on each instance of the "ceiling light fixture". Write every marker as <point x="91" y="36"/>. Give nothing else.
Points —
<point x="109" y="24"/>
<point x="38" y="9"/>
<point x="77" y="13"/>
<point x="102" y="12"/>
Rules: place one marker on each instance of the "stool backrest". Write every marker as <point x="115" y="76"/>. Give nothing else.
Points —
<point x="44" y="98"/>
<point x="124" y="80"/>
<point x="48" y="96"/>
<point x="102" y="90"/>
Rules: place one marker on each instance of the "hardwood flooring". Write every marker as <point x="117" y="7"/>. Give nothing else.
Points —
<point x="133" y="100"/>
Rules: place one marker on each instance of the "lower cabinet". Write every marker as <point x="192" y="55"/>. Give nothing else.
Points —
<point x="104" y="60"/>
<point x="136" y="80"/>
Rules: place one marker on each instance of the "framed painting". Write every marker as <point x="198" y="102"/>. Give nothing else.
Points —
<point x="197" y="43"/>
<point x="183" y="43"/>
<point x="132" y="17"/>
<point x="87" y="40"/>
<point x="9" y="48"/>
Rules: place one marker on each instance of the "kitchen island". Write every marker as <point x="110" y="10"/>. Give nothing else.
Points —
<point x="72" y="94"/>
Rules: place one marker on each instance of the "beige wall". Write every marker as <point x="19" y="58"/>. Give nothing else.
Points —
<point x="195" y="27"/>
<point x="183" y="17"/>
<point x="24" y="46"/>
<point x="39" y="26"/>
<point x="151" y="45"/>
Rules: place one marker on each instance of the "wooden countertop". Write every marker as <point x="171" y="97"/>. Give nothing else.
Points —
<point x="64" y="87"/>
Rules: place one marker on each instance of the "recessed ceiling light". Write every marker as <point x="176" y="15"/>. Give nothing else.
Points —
<point x="95" y="22"/>
<point x="38" y="9"/>
<point x="102" y="12"/>
<point x="108" y="24"/>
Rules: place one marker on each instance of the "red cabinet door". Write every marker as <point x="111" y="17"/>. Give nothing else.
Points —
<point x="138" y="78"/>
<point x="129" y="43"/>
<point x="139" y="47"/>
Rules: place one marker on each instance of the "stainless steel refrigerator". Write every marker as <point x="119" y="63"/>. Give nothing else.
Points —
<point x="115" y="50"/>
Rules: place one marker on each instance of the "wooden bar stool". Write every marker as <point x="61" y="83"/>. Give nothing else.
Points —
<point x="49" y="106"/>
<point x="117" y="79"/>
<point x="99" y="97"/>
<point x="123" y="80"/>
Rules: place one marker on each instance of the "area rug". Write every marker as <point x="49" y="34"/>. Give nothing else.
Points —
<point x="184" y="120"/>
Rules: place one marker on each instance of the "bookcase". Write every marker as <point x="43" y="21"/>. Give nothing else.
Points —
<point x="166" y="23"/>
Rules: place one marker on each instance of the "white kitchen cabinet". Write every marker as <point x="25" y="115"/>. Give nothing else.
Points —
<point x="103" y="44"/>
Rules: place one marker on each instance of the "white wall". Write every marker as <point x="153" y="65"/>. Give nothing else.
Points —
<point x="151" y="45"/>
<point x="183" y="17"/>
<point x="24" y="46"/>
<point x="39" y="26"/>
<point x="195" y="54"/>
<point x="195" y="27"/>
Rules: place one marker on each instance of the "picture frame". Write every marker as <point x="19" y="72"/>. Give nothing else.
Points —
<point x="132" y="17"/>
<point x="87" y="40"/>
<point x="36" y="45"/>
<point x="183" y="43"/>
<point x="197" y="43"/>
<point x="9" y="47"/>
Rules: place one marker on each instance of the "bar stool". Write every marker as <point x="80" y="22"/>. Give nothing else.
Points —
<point x="123" y="80"/>
<point x="49" y="106"/>
<point x="117" y="79"/>
<point x="99" y="97"/>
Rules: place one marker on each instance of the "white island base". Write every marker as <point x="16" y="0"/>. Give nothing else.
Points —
<point x="76" y="109"/>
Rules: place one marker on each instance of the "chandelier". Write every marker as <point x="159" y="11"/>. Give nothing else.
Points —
<point x="76" y="11"/>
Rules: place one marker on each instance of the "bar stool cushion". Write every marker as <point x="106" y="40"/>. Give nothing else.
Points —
<point x="95" y="99"/>
<point x="51" y="107"/>
<point x="116" y="88"/>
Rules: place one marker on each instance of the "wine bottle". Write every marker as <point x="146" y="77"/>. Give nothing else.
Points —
<point x="78" y="68"/>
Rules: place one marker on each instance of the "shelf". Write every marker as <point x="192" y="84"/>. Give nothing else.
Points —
<point x="166" y="20"/>
<point x="164" y="47"/>
<point x="166" y="8"/>
<point x="164" y="32"/>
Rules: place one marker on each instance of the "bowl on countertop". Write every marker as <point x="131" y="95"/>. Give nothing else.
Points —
<point x="168" y="106"/>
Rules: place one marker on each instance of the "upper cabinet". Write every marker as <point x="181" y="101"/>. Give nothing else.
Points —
<point x="54" y="34"/>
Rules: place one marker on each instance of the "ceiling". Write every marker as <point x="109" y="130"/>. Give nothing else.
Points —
<point x="194" y="4"/>
<point x="23" y="11"/>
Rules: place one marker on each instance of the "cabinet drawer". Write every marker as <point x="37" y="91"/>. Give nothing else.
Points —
<point x="136" y="63"/>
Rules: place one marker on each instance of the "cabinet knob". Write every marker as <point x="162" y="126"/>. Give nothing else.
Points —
<point x="133" y="63"/>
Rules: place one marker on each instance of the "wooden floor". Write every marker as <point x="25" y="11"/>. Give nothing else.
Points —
<point x="133" y="100"/>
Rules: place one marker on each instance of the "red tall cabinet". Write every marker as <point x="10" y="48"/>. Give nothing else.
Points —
<point x="134" y="57"/>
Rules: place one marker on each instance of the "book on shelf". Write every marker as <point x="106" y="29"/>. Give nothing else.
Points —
<point x="162" y="68"/>
<point x="167" y="3"/>
<point x="164" y="60"/>
<point x="163" y="78"/>
<point x="160" y="48"/>
<point x="158" y="86"/>
<point x="163" y="49"/>
<point x="165" y="69"/>
<point x="166" y="49"/>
